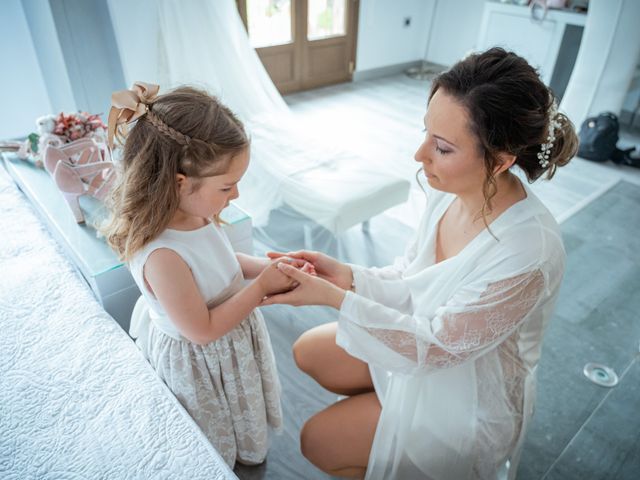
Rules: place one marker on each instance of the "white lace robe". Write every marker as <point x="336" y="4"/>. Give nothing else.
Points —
<point x="453" y="346"/>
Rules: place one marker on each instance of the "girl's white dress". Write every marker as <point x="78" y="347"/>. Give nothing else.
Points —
<point x="453" y="346"/>
<point x="230" y="386"/>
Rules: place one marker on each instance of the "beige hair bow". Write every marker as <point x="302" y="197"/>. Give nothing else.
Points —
<point x="129" y="105"/>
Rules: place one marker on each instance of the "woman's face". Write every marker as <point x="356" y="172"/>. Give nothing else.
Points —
<point x="213" y="194"/>
<point x="450" y="153"/>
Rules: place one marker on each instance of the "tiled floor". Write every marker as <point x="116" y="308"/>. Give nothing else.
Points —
<point x="580" y="431"/>
<point x="383" y="119"/>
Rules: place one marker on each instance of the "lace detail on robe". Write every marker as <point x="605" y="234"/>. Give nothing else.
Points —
<point x="459" y="331"/>
<point x="452" y="347"/>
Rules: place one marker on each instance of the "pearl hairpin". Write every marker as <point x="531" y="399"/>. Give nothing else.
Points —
<point x="545" y="148"/>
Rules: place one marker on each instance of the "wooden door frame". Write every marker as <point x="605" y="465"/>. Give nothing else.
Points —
<point x="352" y="27"/>
<point x="299" y="27"/>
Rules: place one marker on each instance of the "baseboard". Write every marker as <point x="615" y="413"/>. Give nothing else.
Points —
<point x="361" y="75"/>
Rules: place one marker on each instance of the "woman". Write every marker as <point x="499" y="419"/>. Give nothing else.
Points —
<point x="437" y="353"/>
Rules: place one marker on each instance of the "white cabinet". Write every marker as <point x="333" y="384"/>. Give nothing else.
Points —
<point x="513" y="28"/>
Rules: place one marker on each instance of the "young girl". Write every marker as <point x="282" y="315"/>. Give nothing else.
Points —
<point x="196" y="322"/>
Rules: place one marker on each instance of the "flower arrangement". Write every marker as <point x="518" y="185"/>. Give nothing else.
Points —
<point x="57" y="130"/>
<point x="75" y="125"/>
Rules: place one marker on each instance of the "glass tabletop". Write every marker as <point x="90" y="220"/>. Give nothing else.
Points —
<point x="90" y="250"/>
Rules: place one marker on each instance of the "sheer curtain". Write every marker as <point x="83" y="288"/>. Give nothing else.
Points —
<point x="204" y="43"/>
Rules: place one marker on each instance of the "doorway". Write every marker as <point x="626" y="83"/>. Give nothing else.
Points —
<point x="303" y="44"/>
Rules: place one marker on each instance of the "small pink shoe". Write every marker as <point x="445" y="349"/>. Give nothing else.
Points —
<point x="83" y="167"/>
<point x="72" y="152"/>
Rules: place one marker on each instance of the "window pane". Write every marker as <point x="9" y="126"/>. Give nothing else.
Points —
<point x="326" y="19"/>
<point x="269" y="22"/>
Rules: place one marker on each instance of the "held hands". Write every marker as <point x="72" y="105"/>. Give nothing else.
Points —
<point x="309" y="290"/>
<point x="273" y="281"/>
<point x="326" y="267"/>
<point x="327" y="287"/>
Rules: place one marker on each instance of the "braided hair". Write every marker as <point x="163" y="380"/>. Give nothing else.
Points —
<point x="186" y="131"/>
<point x="179" y="137"/>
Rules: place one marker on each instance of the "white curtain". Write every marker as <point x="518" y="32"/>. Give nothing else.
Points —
<point x="204" y="43"/>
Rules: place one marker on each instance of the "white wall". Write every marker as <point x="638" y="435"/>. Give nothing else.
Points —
<point x="136" y="22"/>
<point x="455" y="30"/>
<point x="50" y="56"/>
<point x="383" y="39"/>
<point x="23" y="96"/>
<point x="606" y="61"/>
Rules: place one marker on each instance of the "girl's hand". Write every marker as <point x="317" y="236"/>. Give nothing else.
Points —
<point x="310" y="290"/>
<point x="252" y="266"/>
<point x="326" y="267"/>
<point x="301" y="265"/>
<point x="274" y="281"/>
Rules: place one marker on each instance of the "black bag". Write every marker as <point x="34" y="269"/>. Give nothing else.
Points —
<point x="598" y="139"/>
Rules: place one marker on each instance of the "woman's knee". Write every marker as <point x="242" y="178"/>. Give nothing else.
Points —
<point x="338" y="440"/>
<point x="308" y="348"/>
<point x="302" y="352"/>
<point x="311" y="443"/>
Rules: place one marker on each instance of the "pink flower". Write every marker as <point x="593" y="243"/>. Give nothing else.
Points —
<point x="72" y="126"/>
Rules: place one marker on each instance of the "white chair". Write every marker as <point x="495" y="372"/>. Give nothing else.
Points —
<point x="339" y="195"/>
<point x="330" y="184"/>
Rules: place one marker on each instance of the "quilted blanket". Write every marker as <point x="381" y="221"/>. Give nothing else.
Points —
<point x="77" y="399"/>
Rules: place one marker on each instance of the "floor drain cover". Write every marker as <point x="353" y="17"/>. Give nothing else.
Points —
<point x="601" y="375"/>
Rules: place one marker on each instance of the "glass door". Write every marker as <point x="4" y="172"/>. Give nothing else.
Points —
<point x="329" y="46"/>
<point x="269" y="22"/>
<point x="303" y="43"/>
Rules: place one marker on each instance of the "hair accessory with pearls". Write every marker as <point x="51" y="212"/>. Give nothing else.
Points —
<point x="545" y="148"/>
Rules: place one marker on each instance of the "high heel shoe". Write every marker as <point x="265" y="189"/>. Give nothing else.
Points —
<point x="93" y="179"/>
<point x="83" y="167"/>
<point x="78" y="151"/>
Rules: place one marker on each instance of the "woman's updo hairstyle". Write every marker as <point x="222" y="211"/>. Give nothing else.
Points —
<point x="510" y="111"/>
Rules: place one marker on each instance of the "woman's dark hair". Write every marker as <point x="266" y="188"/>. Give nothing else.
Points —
<point x="509" y="109"/>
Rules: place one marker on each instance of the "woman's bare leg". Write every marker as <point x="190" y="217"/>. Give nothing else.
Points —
<point x="317" y="354"/>
<point x="338" y="439"/>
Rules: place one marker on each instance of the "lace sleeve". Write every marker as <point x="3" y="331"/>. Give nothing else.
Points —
<point x="385" y="285"/>
<point x="470" y="323"/>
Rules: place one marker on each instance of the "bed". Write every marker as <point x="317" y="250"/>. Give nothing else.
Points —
<point x="77" y="399"/>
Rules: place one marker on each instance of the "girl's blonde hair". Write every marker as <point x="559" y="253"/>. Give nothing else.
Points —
<point x="186" y="131"/>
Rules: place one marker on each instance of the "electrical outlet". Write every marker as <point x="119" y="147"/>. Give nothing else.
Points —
<point x="407" y="21"/>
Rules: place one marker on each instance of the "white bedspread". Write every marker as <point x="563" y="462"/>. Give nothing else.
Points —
<point x="77" y="400"/>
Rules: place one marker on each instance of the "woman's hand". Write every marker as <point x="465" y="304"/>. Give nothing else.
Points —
<point x="326" y="267"/>
<point x="272" y="280"/>
<point x="252" y="266"/>
<point x="310" y="290"/>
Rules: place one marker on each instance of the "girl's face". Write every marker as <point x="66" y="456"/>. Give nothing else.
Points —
<point x="450" y="154"/>
<point x="213" y="193"/>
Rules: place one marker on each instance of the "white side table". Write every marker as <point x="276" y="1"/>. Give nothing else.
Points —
<point x="108" y="277"/>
